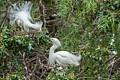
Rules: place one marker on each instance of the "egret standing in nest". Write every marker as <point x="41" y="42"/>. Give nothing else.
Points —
<point x="20" y="14"/>
<point x="62" y="57"/>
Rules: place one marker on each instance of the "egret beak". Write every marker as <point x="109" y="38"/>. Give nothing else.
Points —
<point x="41" y="24"/>
<point x="40" y="30"/>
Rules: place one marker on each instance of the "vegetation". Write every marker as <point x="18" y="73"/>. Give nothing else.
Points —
<point x="88" y="27"/>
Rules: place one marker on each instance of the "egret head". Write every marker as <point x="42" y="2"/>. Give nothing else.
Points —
<point x="55" y="41"/>
<point x="38" y="25"/>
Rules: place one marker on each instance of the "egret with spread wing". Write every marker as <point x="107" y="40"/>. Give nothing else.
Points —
<point x="20" y="14"/>
<point x="62" y="57"/>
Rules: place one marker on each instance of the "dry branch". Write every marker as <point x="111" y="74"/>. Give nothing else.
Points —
<point x="42" y="8"/>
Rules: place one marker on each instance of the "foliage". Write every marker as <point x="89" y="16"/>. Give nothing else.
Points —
<point x="18" y="75"/>
<point x="61" y="75"/>
<point x="11" y="48"/>
<point x="92" y="24"/>
<point x="2" y="5"/>
<point x="14" y="44"/>
<point x="64" y="9"/>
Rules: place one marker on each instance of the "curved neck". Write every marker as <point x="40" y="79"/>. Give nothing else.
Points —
<point x="52" y="49"/>
<point x="31" y="25"/>
<point x="51" y="54"/>
<point x="28" y="24"/>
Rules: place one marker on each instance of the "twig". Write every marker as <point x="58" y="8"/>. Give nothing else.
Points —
<point x="24" y="33"/>
<point x="111" y="69"/>
<point x="52" y="21"/>
<point x="26" y="68"/>
<point x="36" y="76"/>
<point x="32" y="59"/>
<point x="5" y="17"/>
<point x="110" y="11"/>
<point x="110" y="59"/>
<point x="43" y="12"/>
<point x="91" y="78"/>
<point x="43" y="73"/>
<point x="81" y="64"/>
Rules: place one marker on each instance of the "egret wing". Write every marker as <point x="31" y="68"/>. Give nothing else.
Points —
<point x="62" y="57"/>
<point x="66" y="58"/>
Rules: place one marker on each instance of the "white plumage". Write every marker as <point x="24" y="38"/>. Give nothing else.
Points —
<point x="20" y="14"/>
<point x="62" y="57"/>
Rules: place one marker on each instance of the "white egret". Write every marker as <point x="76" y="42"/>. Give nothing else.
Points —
<point x="62" y="57"/>
<point x="20" y="14"/>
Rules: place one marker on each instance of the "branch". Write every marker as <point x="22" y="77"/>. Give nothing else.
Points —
<point x="26" y="68"/>
<point x="42" y="8"/>
<point x="24" y="33"/>
<point x="53" y="21"/>
<point x="110" y="59"/>
<point x="5" y="17"/>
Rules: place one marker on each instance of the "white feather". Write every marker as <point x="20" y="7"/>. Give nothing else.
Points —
<point x="62" y="57"/>
<point x="20" y="14"/>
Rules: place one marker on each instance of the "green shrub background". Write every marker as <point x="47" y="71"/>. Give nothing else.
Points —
<point x="85" y="26"/>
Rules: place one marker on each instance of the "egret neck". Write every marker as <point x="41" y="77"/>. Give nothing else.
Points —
<point x="51" y="54"/>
